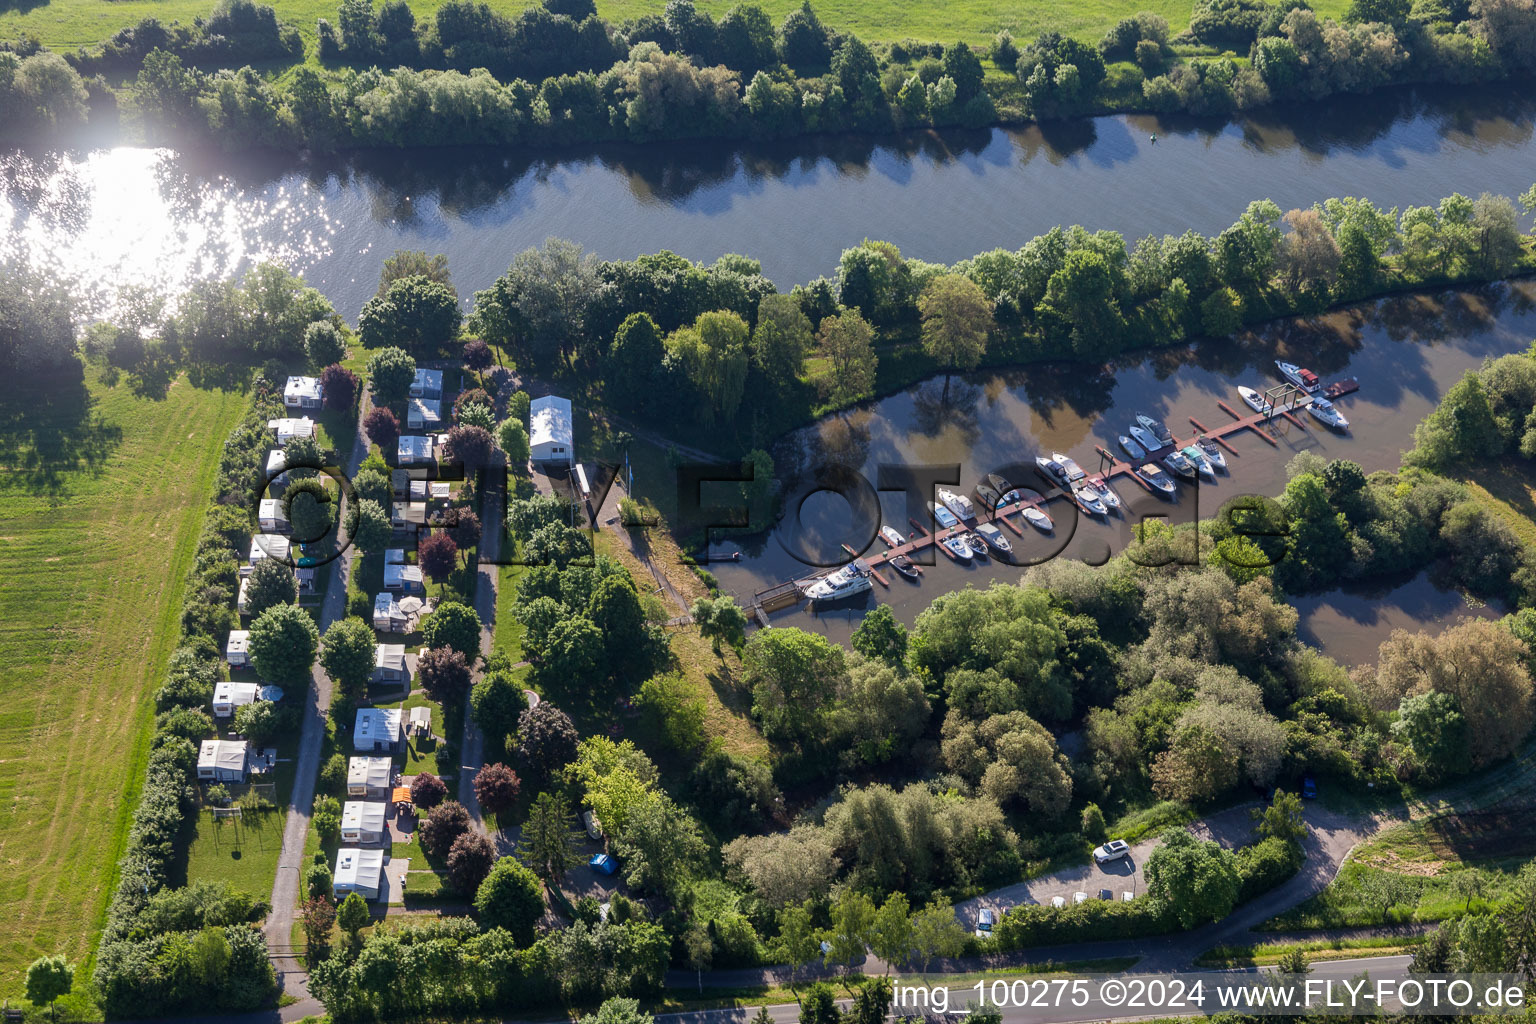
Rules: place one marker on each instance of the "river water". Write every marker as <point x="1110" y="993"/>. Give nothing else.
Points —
<point x="130" y="224"/>
<point x="150" y="220"/>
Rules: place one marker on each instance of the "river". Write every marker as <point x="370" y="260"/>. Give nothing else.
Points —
<point x="146" y="221"/>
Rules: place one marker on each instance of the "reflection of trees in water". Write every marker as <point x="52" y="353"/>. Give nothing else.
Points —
<point x="947" y="402"/>
<point x="1082" y="389"/>
<point x="843" y="441"/>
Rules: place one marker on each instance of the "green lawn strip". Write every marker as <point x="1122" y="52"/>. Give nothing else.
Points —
<point x="1267" y="953"/>
<point x="244" y="852"/>
<point x="102" y="493"/>
<point x="508" y="637"/>
<point x="419" y="753"/>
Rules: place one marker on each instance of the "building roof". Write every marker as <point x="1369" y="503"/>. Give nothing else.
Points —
<point x="373" y="772"/>
<point x="409" y="512"/>
<point x="413" y="448"/>
<point x="269" y="545"/>
<point x="423" y="412"/>
<point x="390" y="656"/>
<point x="239" y="642"/>
<point x="271" y="509"/>
<point x="302" y="388"/>
<point x="394" y="556"/>
<point x="385" y="604"/>
<point x="227" y="755"/>
<point x="288" y="428"/>
<point x="358" y="869"/>
<point x="235" y="693"/>
<point x="377" y="724"/>
<point x="367" y="815"/>
<point x="402" y="574"/>
<point x="277" y="461"/>
<point x="429" y="382"/>
<point x="549" y="421"/>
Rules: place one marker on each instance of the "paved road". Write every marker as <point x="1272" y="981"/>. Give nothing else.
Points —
<point x="290" y="866"/>
<point x="488" y="582"/>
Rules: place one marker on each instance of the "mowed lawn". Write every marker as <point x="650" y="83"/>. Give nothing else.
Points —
<point x="66" y="24"/>
<point x="102" y="495"/>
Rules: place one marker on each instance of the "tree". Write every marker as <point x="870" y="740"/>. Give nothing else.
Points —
<point x="512" y="439"/>
<point x="803" y="39"/>
<point x="956" y="316"/>
<point x="614" y="609"/>
<point x="469" y="861"/>
<point x="49" y="978"/>
<point x="270" y="584"/>
<point x="538" y="309"/>
<point x="633" y="361"/>
<point x="714" y="350"/>
<point x="259" y="722"/>
<point x="348" y="653"/>
<point x="454" y="625"/>
<point x="496" y="787"/>
<point x="620" y="1010"/>
<point x="317" y="879"/>
<point x="415" y="313"/>
<point x="786" y="867"/>
<point x="853" y="920"/>
<point x="880" y="710"/>
<point x="427" y="791"/>
<point x="510" y="898"/>
<point x="326" y="815"/>
<point x="549" y="841"/>
<point x="318" y="914"/>
<point x="936" y="933"/>
<point x="1309" y="255"/>
<point x="890" y="936"/>
<point x="819" y="1005"/>
<point x="546" y="742"/>
<point x="1293" y="961"/>
<point x="478" y="356"/>
<point x="1197" y="880"/>
<point x="368" y="525"/>
<point x="661" y="845"/>
<point x="473" y="446"/>
<point x="413" y="263"/>
<point x="438" y="556"/>
<point x="392" y="372"/>
<point x="444" y="675"/>
<point x="323" y="344"/>
<point x="443" y="825"/>
<point x="381" y="426"/>
<point x="847" y="341"/>
<point x="720" y="620"/>
<point x="340" y="386"/>
<point x="353" y="915"/>
<point x="1435" y="729"/>
<point x="495" y="704"/>
<point x="1282" y="819"/>
<point x="1461" y="428"/>
<point x="881" y="636"/>
<point x="283" y="643"/>
<point x="781" y="339"/>
<point x="793" y="676"/>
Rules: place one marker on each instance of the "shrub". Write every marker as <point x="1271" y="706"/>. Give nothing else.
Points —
<point x="333" y="775"/>
<point x="339" y="385"/>
<point x="1264" y="865"/>
<point x="323" y="344"/>
<point x="427" y="791"/>
<point x="511" y="897"/>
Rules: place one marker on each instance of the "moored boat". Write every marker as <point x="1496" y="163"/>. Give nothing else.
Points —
<point x="995" y="538"/>
<point x="1146" y="439"/>
<point x="1156" y="478"/>
<point x="957" y="546"/>
<point x="1131" y="448"/>
<point x="1178" y="465"/>
<point x="941" y="515"/>
<point x="1327" y="413"/>
<point x="1089" y="500"/>
<point x="850" y="580"/>
<point x="1038" y="518"/>
<point x="977" y="545"/>
<point x="1213" y="452"/>
<point x="1052" y="470"/>
<point x="999" y="484"/>
<point x="1106" y="493"/>
<point x="1298" y="375"/>
<point x="905" y="566"/>
<point x="1194" y="453"/>
<point x="1073" y="470"/>
<point x="1156" y="427"/>
<point x="988" y="495"/>
<point x="959" y="504"/>
<point x="1257" y="402"/>
<point x="890" y="535"/>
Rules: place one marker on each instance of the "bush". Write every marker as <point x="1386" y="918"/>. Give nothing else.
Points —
<point x="323" y="344"/>
<point x="511" y="897"/>
<point x="340" y="387"/>
<point x="1264" y="865"/>
<point x="1091" y="921"/>
<point x="333" y="776"/>
<point x="427" y="791"/>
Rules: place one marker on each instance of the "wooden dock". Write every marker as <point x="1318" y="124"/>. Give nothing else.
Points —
<point x="785" y="595"/>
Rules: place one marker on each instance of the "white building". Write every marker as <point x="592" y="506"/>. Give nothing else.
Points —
<point x="229" y="696"/>
<point x="406" y="579"/>
<point x="302" y="393"/>
<point x="423" y="414"/>
<point x="413" y="450"/>
<point x="394" y="556"/>
<point x="429" y="384"/>
<point x="377" y="730"/>
<point x="269" y="545"/>
<point x="288" y="428"/>
<point x="362" y="821"/>
<point x="389" y="664"/>
<point x="430" y="490"/>
<point x="370" y="777"/>
<point x="359" y="871"/>
<point x="551" y="430"/>
<point x="237" y="649"/>
<point x="406" y="514"/>
<point x="243" y="596"/>
<point x="388" y="617"/>
<point x="222" y="760"/>
<point x="271" y="517"/>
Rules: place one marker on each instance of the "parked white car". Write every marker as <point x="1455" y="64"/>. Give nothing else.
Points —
<point x="1079" y="897"/>
<point x="984" y="922"/>
<point x="1112" y="850"/>
<point x="1058" y="901"/>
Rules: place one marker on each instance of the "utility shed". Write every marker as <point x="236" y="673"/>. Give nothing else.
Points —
<point x="551" y="430"/>
<point x="222" y="761"/>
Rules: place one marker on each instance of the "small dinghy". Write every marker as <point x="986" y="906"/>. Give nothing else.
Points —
<point x="1038" y="519"/>
<point x="1131" y="448"/>
<point x="904" y="565"/>
<point x="891" y="537"/>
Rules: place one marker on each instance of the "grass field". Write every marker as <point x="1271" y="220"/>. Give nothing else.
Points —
<point x="102" y="494"/>
<point x="67" y="24"/>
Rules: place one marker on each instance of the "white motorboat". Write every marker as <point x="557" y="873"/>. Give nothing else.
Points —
<point x="1194" y="453"/>
<point x="1107" y="493"/>
<point x="848" y="581"/>
<point x="1156" y="478"/>
<point x="1156" y="427"/>
<point x="1038" y="519"/>
<point x="977" y="545"/>
<point x="1131" y="448"/>
<point x="1178" y="465"/>
<point x="1089" y="500"/>
<point x="1052" y="470"/>
<point x="891" y="537"/>
<point x="1074" y="471"/>
<point x="1146" y="439"/>
<point x="995" y="538"/>
<point x="1257" y="402"/>
<point x="957" y="546"/>
<point x="943" y="516"/>
<point x="1327" y="413"/>
<point x="1298" y="375"/>
<point x="959" y="504"/>
<point x="1213" y="452"/>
